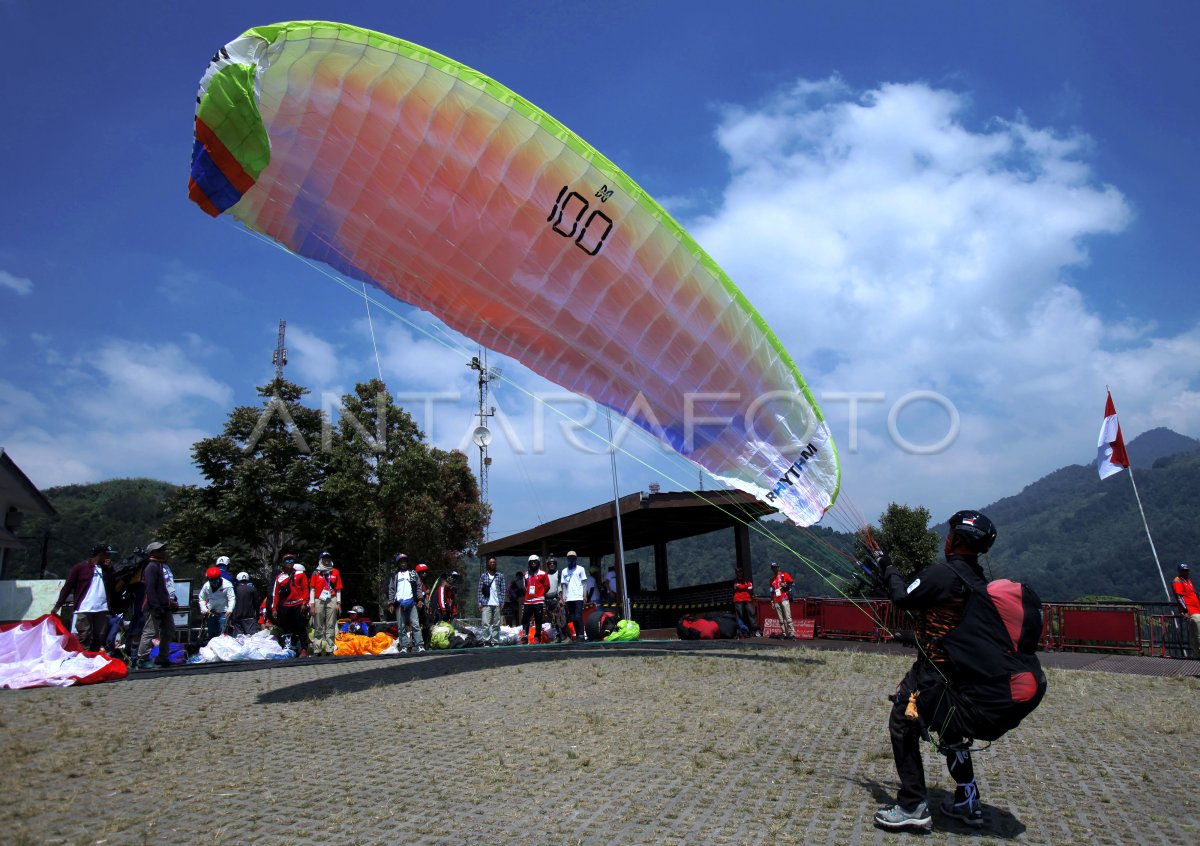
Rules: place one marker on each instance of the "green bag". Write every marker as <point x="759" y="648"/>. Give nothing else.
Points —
<point x="439" y="635"/>
<point x="625" y="630"/>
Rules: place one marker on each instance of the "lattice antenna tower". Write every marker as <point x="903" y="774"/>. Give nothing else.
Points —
<point x="482" y="436"/>
<point x="279" y="359"/>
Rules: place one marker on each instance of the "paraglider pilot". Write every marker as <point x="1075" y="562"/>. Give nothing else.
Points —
<point x="920" y="702"/>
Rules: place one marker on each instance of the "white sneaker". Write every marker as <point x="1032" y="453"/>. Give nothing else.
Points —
<point x="420" y="648"/>
<point x="895" y="818"/>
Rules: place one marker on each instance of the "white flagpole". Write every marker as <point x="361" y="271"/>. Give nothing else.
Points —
<point x="1154" y="551"/>
<point x="619" y="557"/>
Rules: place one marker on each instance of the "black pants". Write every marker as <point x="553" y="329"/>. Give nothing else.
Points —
<point x="293" y="620"/>
<point x="937" y="715"/>
<point x="575" y="618"/>
<point x="137" y="619"/>
<point x="166" y="636"/>
<point x="245" y="626"/>
<point x="534" y="609"/>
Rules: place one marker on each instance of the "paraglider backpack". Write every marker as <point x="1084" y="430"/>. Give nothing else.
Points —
<point x="287" y="587"/>
<point x="998" y="680"/>
<point x="127" y="575"/>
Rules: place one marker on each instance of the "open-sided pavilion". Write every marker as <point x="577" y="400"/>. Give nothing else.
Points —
<point x="648" y="520"/>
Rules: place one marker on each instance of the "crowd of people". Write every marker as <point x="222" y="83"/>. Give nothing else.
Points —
<point x="298" y="603"/>
<point x="538" y="595"/>
<point x="304" y="608"/>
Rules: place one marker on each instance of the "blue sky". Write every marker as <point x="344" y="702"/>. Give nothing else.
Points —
<point x="994" y="203"/>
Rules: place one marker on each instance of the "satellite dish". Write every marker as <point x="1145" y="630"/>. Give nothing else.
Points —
<point x="482" y="436"/>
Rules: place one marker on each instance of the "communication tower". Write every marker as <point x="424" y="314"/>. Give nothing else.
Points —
<point x="482" y="436"/>
<point x="279" y="359"/>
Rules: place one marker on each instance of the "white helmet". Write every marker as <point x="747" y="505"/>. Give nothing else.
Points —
<point x="533" y="558"/>
<point x="223" y="561"/>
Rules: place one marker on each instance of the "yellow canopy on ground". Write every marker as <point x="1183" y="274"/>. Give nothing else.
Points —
<point x="352" y="644"/>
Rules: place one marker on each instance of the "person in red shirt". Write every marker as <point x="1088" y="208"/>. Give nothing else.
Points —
<point x="781" y="598"/>
<point x="1189" y="604"/>
<point x="743" y="604"/>
<point x="289" y="604"/>
<point x="537" y="584"/>
<point x="325" y="604"/>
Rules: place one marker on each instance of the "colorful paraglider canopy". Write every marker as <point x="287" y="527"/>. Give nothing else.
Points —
<point x="404" y="169"/>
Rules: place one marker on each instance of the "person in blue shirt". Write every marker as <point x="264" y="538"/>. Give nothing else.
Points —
<point x="356" y="624"/>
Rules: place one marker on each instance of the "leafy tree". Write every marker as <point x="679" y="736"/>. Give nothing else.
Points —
<point x="904" y="534"/>
<point x="263" y="497"/>
<point x="389" y="492"/>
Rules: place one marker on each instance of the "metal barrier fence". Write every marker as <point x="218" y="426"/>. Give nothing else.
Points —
<point x="1142" y="628"/>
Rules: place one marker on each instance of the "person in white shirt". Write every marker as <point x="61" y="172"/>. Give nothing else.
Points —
<point x="216" y="601"/>
<point x="611" y="580"/>
<point x="90" y="585"/>
<point x="572" y="581"/>
<point x="591" y="588"/>
<point x="407" y="595"/>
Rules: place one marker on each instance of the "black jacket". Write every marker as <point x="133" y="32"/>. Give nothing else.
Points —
<point x="938" y="595"/>
<point x="157" y="596"/>
<point x="246" y="605"/>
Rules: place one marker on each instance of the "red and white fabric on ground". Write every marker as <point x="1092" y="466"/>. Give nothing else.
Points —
<point x="41" y="652"/>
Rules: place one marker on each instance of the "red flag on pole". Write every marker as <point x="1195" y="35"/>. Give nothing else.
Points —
<point x="1111" y="456"/>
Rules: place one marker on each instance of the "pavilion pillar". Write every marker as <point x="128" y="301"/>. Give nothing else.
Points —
<point x="661" y="577"/>
<point x="741" y="541"/>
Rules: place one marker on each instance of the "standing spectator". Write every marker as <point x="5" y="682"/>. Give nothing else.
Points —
<point x="90" y="584"/>
<point x="536" y="585"/>
<point x="516" y="597"/>
<point x="572" y="587"/>
<point x="781" y="598"/>
<point x="406" y="594"/>
<point x="216" y="601"/>
<point x="491" y="598"/>
<point x="423" y="606"/>
<point x="593" y="587"/>
<point x="445" y="599"/>
<point x="552" y="600"/>
<point x="289" y="601"/>
<point x="223" y="565"/>
<point x="554" y="576"/>
<point x="160" y="606"/>
<point x="1189" y="605"/>
<point x="244" y="620"/>
<point x="325" y="604"/>
<point x="610" y="583"/>
<point x="743" y="603"/>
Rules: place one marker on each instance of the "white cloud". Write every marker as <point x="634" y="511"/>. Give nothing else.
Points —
<point x="895" y="244"/>
<point x="316" y="359"/>
<point x="413" y="360"/>
<point x="19" y="284"/>
<point x="18" y="405"/>
<point x="125" y="408"/>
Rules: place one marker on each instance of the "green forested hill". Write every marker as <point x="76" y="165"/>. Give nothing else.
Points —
<point x="1072" y="534"/>
<point x="124" y="513"/>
